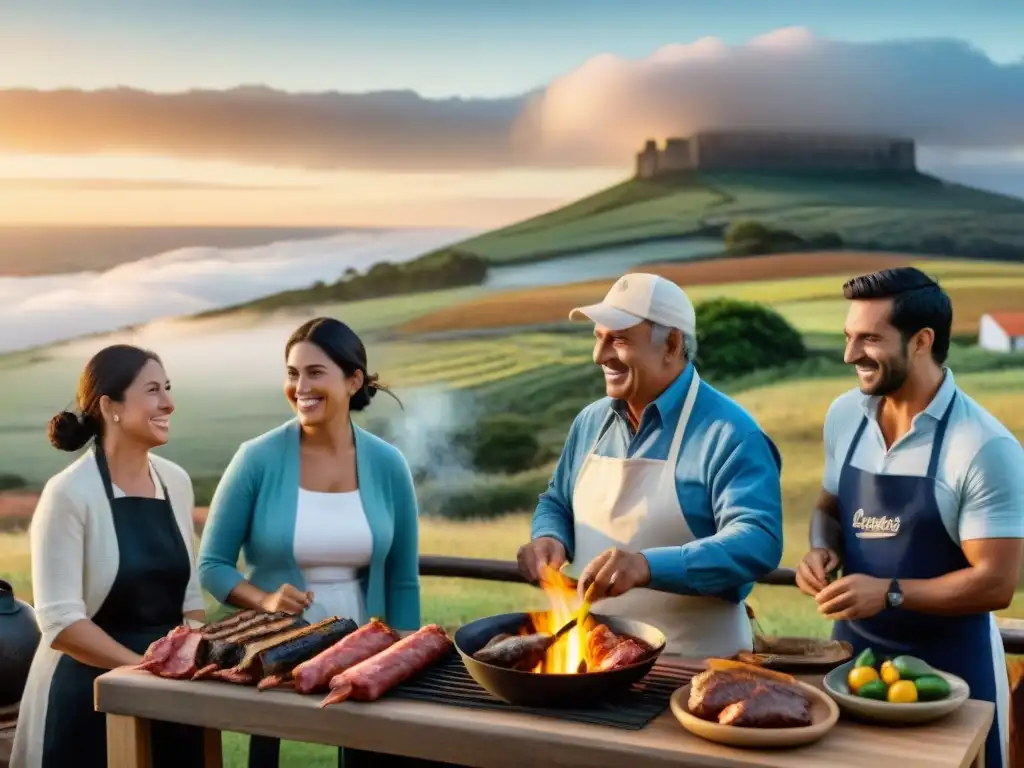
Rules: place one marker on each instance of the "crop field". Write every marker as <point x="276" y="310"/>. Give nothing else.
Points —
<point x="882" y="209"/>
<point x="805" y="288"/>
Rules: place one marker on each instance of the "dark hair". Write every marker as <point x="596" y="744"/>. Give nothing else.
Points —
<point x="110" y="372"/>
<point x="346" y="350"/>
<point x="917" y="302"/>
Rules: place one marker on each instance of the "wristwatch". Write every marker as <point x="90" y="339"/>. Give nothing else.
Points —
<point x="894" y="596"/>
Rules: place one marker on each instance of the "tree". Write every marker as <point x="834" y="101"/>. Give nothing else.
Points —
<point x="739" y="337"/>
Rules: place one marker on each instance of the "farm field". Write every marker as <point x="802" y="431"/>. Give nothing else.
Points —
<point x="791" y="413"/>
<point x="804" y="288"/>
<point x="226" y="371"/>
<point x="887" y="209"/>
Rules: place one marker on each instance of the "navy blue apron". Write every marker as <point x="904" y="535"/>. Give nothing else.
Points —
<point x="921" y="548"/>
<point x="144" y="603"/>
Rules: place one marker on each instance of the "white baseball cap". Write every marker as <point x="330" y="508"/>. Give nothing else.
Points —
<point x="640" y="296"/>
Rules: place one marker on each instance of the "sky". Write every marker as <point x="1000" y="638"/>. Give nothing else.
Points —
<point x="461" y="113"/>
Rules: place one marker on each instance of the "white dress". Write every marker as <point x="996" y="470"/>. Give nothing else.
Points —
<point x="332" y="542"/>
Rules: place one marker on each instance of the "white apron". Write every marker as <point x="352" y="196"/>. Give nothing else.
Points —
<point x="632" y="504"/>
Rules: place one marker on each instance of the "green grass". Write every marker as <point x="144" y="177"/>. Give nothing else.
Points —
<point x="865" y="208"/>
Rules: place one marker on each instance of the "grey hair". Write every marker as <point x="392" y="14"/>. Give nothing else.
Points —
<point x="660" y="333"/>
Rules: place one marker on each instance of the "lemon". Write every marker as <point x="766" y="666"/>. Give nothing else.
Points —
<point x="889" y="673"/>
<point x="860" y="676"/>
<point x="902" y="692"/>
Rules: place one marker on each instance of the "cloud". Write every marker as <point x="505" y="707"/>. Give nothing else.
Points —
<point x="39" y="310"/>
<point x="943" y="93"/>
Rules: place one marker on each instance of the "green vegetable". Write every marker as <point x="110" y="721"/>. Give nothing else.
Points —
<point x="866" y="659"/>
<point x="911" y="667"/>
<point x="931" y="688"/>
<point x="876" y="689"/>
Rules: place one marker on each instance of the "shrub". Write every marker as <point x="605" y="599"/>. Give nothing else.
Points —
<point x="738" y="337"/>
<point x="502" y="443"/>
<point x="11" y="482"/>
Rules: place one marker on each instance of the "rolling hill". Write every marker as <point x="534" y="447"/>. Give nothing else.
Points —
<point x="895" y="211"/>
<point x="911" y="213"/>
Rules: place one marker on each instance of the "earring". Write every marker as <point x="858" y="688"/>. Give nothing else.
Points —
<point x="116" y="418"/>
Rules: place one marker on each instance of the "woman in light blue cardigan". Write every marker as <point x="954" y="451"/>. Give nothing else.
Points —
<point x="324" y="512"/>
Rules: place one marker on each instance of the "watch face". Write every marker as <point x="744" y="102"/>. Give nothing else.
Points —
<point x="895" y="599"/>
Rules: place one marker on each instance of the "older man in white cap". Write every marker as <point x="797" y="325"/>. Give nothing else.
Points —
<point x="666" y="498"/>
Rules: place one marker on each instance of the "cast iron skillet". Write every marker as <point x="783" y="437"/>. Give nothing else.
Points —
<point x="532" y="689"/>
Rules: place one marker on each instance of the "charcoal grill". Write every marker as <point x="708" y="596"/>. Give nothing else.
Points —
<point x="448" y="682"/>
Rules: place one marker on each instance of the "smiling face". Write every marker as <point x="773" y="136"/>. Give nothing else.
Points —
<point x="315" y="385"/>
<point x="144" y="413"/>
<point x="876" y="348"/>
<point x="635" y="368"/>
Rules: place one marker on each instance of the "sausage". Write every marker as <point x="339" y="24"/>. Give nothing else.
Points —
<point x="372" y="678"/>
<point x="315" y="673"/>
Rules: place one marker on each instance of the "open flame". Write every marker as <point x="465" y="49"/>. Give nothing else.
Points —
<point x="568" y="655"/>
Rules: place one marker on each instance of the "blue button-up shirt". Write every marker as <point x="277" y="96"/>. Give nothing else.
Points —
<point x="727" y="479"/>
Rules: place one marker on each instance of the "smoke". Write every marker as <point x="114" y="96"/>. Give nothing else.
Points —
<point x="41" y="310"/>
<point x="943" y="93"/>
<point x="428" y="432"/>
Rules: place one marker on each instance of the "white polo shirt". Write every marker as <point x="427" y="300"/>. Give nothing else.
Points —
<point x="980" y="472"/>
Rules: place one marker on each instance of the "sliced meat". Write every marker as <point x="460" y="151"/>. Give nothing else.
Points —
<point x="182" y="662"/>
<point x="769" y="706"/>
<point x="371" y="679"/>
<point x="711" y="692"/>
<point x="315" y="674"/>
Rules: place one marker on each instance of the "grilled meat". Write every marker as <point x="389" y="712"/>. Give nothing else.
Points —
<point x="769" y="706"/>
<point x="627" y="652"/>
<point x="372" y="678"/>
<point x="287" y="652"/>
<point x="713" y="692"/>
<point x="229" y="650"/>
<point x="522" y="652"/>
<point x="315" y="673"/>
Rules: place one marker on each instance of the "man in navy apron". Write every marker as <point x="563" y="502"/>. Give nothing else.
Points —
<point x="922" y="502"/>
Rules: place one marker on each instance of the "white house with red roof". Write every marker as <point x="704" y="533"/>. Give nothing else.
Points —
<point x="1002" y="331"/>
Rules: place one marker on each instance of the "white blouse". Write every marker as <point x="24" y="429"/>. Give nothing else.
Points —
<point x="333" y="542"/>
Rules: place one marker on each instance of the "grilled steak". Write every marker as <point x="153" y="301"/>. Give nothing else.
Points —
<point x="256" y="662"/>
<point x="769" y="706"/>
<point x="717" y="696"/>
<point x="230" y="650"/>
<point x="627" y="652"/>
<point x="711" y="692"/>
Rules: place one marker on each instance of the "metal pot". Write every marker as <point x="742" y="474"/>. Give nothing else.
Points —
<point x="19" y="638"/>
<point x="534" y="689"/>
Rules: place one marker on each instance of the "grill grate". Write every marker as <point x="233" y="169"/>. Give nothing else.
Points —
<point x="448" y="682"/>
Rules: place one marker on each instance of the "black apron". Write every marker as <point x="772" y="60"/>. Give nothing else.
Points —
<point x="919" y="548"/>
<point x="145" y="602"/>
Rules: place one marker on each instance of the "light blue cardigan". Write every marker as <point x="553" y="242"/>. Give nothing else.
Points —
<point x="254" y="507"/>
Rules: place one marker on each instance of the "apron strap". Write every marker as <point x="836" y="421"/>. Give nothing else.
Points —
<point x="940" y="435"/>
<point x="101" y="463"/>
<point x="684" y="419"/>
<point x="108" y="485"/>
<point x="856" y="441"/>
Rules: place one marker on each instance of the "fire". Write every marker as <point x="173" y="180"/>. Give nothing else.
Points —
<point x="568" y="655"/>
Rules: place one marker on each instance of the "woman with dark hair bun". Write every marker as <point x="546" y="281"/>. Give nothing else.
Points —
<point x="324" y="511"/>
<point x="112" y="563"/>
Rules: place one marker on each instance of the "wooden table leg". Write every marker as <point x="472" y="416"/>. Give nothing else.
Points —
<point x="213" y="753"/>
<point x="127" y="742"/>
<point x="979" y="759"/>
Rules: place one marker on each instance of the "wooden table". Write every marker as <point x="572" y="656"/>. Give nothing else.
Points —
<point x="488" y="739"/>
